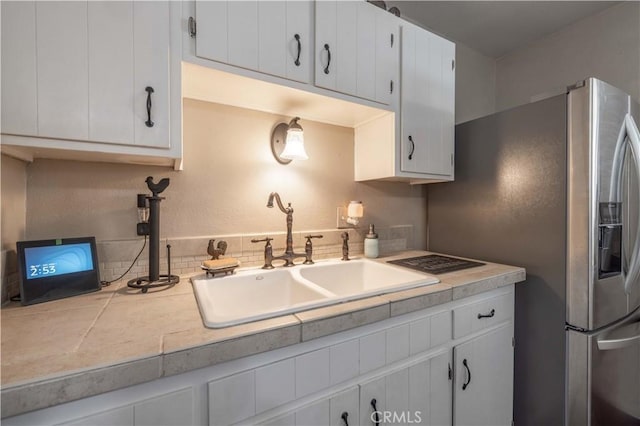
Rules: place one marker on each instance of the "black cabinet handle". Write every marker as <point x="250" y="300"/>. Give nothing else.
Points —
<point x="413" y="147"/>
<point x="297" y="61"/>
<point x="391" y="86"/>
<point x="326" y="69"/>
<point x="376" y="414"/>
<point x="466" y="384"/>
<point x="192" y="27"/>
<point x="344" y="418"/>
<point x="149" y="90"/>
<point x="489" y="315"/>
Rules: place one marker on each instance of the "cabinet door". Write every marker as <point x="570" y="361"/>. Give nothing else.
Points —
<point x="336" y="45"/>
<point x="353" y="49"/>
<point x="62" y="61"/>
<point x="344" y="408"/>
<point x="19" y="89"/>
<point x="387" y="56"/>
<point x="151" y="38"/>
<point x="483" y="388"/>
<point x="427" y="103"/>
<point x="111" y="60"/>
<point x="284" y="39"/>
<point x="257" y="35"/>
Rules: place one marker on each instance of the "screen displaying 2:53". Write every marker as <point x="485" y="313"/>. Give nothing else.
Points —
<point x="57" y="260"/>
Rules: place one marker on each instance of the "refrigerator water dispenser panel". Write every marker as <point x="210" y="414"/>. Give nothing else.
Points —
<point x="610" y="240"/>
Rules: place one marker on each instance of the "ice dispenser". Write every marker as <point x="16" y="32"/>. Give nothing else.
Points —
<point x="610" y="244"/>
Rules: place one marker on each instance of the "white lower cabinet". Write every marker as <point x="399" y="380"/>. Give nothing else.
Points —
<point x="483" y="392"/>
<point x="451" y="364"/>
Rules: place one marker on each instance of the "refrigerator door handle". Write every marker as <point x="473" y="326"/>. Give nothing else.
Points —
<point x="628" y="131"/>
<point x="620" y="338"/>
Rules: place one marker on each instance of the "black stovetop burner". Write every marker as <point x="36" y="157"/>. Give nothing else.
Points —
<point x="435" y="264"/>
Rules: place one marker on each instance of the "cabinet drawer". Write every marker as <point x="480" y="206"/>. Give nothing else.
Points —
<point x="479" y="315"/>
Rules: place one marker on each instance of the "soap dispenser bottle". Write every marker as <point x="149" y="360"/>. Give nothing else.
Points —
<point x="371" y="249"/>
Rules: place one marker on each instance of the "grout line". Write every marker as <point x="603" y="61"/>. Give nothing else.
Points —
<point x="93" y="323"/>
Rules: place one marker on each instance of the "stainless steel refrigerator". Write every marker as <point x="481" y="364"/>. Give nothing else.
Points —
<point x="553" y="186"/>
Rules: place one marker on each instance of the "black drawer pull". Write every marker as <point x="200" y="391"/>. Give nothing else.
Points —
<point x="466" y="384"/>
<point x="344" y="418"/>
<point x="489" y="315"/>
<point x="376" y="413"/>
<point x="297" y="61"/>
<point x="413" y="147"/>
<point x="326" y="69"/>
<point x="149" y="90"/>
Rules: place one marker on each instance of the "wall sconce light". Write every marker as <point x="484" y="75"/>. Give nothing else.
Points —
<point x="350" y="216"/>
<point x="287" y="142"/>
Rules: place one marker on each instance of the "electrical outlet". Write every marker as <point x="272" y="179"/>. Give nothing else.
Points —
<point x="341" y="218"/>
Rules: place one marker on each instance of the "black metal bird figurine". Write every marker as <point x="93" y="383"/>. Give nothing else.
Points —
<point x="157" y="188"/>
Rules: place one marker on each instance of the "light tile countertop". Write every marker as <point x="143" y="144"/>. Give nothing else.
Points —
<point x="73" y="348"/>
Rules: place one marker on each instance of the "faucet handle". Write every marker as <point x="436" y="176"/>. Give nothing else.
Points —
<point x="345" y="245"/>
<point x="308" y="249"/>
<point x="267" y="239"/>
<point x="268" y="252"/>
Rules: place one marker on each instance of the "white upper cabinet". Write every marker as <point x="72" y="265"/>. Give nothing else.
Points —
<point x="417" y="144"/>
<point x="356" y="53"/>
<point x="19" y="92"/>
<point x="272" y="37"/>
<point x="427" y="103"/>
<point x="80" y="74"/>
<point x="127" y="54"/>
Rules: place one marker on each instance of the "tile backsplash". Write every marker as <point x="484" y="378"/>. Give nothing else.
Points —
<point x="187" y="254"/>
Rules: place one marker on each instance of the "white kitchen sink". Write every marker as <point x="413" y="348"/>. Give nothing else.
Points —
<point x="362" y="277"/>
<point x="255" y="294"/>
<point x="251" y="295"/>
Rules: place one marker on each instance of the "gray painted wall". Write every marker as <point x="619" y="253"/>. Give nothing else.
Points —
<point x="605" y="46"/>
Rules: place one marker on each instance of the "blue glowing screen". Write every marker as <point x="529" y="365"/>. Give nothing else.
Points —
<point x="57" y="260"/>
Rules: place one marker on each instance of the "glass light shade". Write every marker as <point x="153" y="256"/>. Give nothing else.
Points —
<point x="294" y="147"/>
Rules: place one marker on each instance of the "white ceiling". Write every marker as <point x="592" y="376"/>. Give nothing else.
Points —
<point x="495" y="28"/>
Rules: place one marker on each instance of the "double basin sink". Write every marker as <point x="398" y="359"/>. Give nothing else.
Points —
<point x="255" y="294"/>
